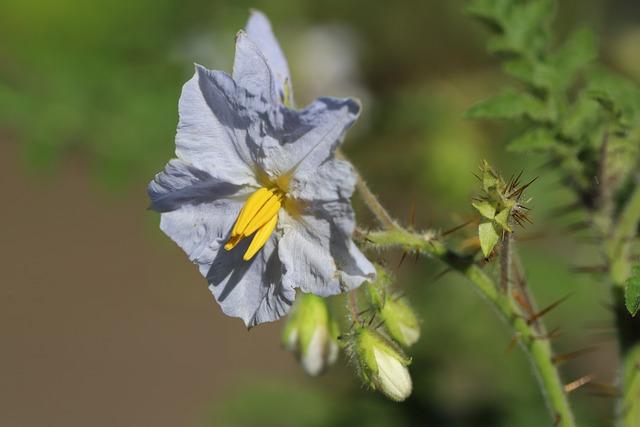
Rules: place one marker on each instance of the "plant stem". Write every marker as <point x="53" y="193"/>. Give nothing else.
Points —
<point x="505" y="263"/>
<point x="536" y="347"/>
<point x="370" y="199"/>
<point x="617" y="248"/>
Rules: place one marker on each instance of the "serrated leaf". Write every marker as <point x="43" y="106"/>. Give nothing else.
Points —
<point x="485" y="208"/>
<point x="509" y="105"/>
<point x="502" y="218"/>
<point x="493" y="12"/>
<point x="488" y="237"/>
<point x="536" y="140"/>
<point x="632" y="291"/>
<point x="577" y="51"/>
<point x="526" y="29"/>
<point x="582" y="119"/>
<point x="618" y="96"/>
<point x="537" y="74"/>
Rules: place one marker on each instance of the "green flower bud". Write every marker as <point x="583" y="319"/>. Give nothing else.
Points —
<point x="311" y="334"/>
<point x="401" y="322"/>
<point x="381" y="364"/>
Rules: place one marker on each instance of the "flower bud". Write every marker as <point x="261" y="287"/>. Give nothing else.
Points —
<point x="400" y="321"/>
<point x="381" y="364"/>
<point x="311" y="334"/>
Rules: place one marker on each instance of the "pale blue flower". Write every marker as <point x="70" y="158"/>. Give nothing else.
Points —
<point x="255" y="197"/>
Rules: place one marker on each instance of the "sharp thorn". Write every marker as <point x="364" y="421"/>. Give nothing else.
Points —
<point x="404" y="255"/>
<point x="412" y="213"/>
<point x="576" y="384"/>
<point x="441" y="274"/>
<point x="561" y="358"/>
<point x="547" y="309"/>
<point x="512" y="343"/>
<point x="456" y="228"/>
<point x="590" y="269"/>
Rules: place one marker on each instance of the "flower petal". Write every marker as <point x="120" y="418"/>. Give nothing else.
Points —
<point x="211" y="133"/>
<point x="259" y="30"/>
<point x="317" y="251"/>
<point x="305" y="139"/>
<point x="333" y="180"/>
<point x="181" y="183"/>
<point x="354" y="267"/>
<point x="252" y="290"/>
<point x="252" y="72"/>
<point x="201" y="229"/>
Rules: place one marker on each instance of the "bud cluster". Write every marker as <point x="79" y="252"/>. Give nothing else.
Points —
<point x="500" y="206"/>
<point x="376" y="351"/>
<point x="311" y="334"/>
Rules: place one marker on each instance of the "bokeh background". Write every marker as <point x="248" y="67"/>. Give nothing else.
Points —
<point x="103" y="321"/>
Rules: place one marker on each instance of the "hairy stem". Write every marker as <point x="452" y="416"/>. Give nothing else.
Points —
<point x="617" y="248"/>
<point x="536" y="347"/>
<point x="370" y="199"/>
<point x="505" y="263"/>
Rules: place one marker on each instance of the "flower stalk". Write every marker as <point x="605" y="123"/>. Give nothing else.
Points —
<point x="537" y="347"/>
<point x="617" y="248"/>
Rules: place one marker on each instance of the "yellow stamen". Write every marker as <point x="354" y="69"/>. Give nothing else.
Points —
<point x="261" y="237"/>
<point x="259" y="215"/>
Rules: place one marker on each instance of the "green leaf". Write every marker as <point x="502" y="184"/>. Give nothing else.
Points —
<point x="582" y="119"/>
<point x="526" y="30"/>
<point x="618" y="96"/>
<point x="510" y="105"/>
<point x="488" y="237"/>
<point x="485" y="208"/>
<point x="503" y="219"/>
<point x="578" y="50"/>
<point x="539" y="139"/>
<point x="537" y="74"/>
<point x="493" y="12"/>
<point x="632" y="291"/>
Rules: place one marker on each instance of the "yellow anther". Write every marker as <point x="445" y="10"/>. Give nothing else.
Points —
<point x="249" y="210"/>
<point x="264" y="215"/>
<point x="259" y="214"/>
<point x="261" y="237"/>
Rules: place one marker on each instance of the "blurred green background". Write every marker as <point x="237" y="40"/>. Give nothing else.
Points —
<point x="103" y="321"/>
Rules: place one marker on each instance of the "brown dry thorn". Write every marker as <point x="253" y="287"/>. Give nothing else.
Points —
<point x="574" y="385"/>
<point x="404" y="255"/>
<point x="457" y="227"/>
<point x="547" y="309"/>
<point x="556" y="360"/>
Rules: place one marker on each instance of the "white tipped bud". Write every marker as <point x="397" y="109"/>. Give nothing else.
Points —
<point x="311" y="334"/>
<point x="381" y="364"/>
<point x="393" y="376"/>
<point x="400" y="321"/>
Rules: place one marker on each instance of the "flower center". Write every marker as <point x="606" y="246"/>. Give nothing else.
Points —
<point x="259" y="215"/>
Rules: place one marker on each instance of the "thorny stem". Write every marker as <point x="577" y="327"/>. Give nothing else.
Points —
<point x="353" y="306"/>
<point x="617" y="247"/>
<point x="505" y="263"/>
<point x="371" y="200"/>
<point x="536" y="347"/>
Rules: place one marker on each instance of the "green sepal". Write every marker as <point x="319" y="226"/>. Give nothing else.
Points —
<point x="488" y="237"/>
<point x="502" y="218"/>
<point x="485" y="208"/>
<point x="632" y="291"/>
